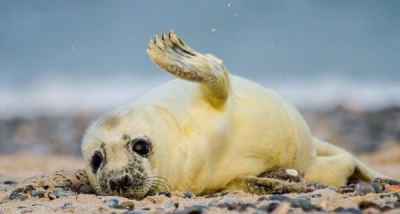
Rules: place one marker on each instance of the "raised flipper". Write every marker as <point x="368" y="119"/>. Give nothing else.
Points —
<point x="174" y="56"/>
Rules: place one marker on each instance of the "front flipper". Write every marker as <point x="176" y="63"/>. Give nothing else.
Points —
<point x="280" y="181"/>
<point x="174" y="56"/>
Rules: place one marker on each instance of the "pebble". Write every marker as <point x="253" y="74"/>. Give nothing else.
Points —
<point x="111" y="202"/>
<point x="347" y="189"/>
<point x="188" y="194"/>
<point x="224" y="193"/>
<point x="59" y="193"/>
<point x="64" y="187"/>
<point x="52" y="196"/>
<point x="244" y="207"/>
<point x="283" y="208"/>
<point x="38" y="193"/>
<point x="86" y="189"/>
<point x="193" y="210"/>
<point x="304" y="202"/>
<point x="268" y="208"/>
<point x="341" y="210"/>
<point x="363" y="205"/>
<point x="377" y="186"/>
<point x="129" y="205"/>
<point x="28" y="188"/>
<point x="167" y="194"/>
<point x="316" y="196"/>
<point x="17" y="196"/>
<point x="362" y="189"/>
<point x="10" y="182"/>
<point x="117" y="206"/>
<point x="278" y="198"/>
<point x="212" y="195"/>
<point x="386" y="181"/>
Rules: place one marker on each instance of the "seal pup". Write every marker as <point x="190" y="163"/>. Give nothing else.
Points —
<point x="207" y="131"/>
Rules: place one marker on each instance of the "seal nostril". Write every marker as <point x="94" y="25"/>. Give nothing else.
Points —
<point x="113" y="185"/>
<point x="127" y="181"/>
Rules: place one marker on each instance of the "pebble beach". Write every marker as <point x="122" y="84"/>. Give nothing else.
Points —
<point x="378" y="131"/>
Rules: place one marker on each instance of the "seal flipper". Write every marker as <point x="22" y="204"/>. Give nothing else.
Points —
<point x="279" y="181"/>
<point x="174" y="56"/>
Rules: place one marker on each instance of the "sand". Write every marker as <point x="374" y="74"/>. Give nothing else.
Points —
<point x="386" y="161"/>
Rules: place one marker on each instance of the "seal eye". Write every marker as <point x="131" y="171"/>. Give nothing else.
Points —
<point x="97" y="159"/>
<point x="141" y="147"/>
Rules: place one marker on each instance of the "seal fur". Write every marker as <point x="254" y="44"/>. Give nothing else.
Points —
<point x="207" y="131"/>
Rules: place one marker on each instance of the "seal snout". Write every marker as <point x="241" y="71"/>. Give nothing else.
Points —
<point x="120" y="184"/>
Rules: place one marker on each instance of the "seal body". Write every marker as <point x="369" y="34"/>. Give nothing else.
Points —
<point x="202" y="131"/>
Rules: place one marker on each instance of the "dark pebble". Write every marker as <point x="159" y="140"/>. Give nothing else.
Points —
<point x="362" y="189"/>
<point x="363" y="205"/>
<point x="316" y="196"/>
<point x="64" y="187"/>
<point x="37" y="205"/>
<point x="67" y="204"/>
<point x="146" y="208"/>
<point x="213" y="195"/>
<point x="46" y="187"/>
<point x="268" y="208"/>
<point x="136" y="212"/>
<point x="129" y="205"/>
<point x="21" y="207"/>
<point x="224" y="193"/>
<point x="167" y="194"/>
<point x="111" y="202"/>
<point x="195" y="209"/>
<point x="385" y="208"/>
<point x="304" y="204"/>
<point x="28" y="188"/>
<point x="386" y="181"/>
<point x="396" y="204"/>
<point x="244" y="207"/>
<point x="117" y="206"/>
<point x="278" y="198"/>
<point x="341" y="210"/>
<point x="52" y="196"/>
<point x="86" y="189"/>
<point x="315" y="186"/>
<point x="379" y="187"/>
<point x="347" y="189"/>
<point x="188" y="194"/>
<point x="262" y="198"/>
<point x="17" y="196"/>
<point x="38" y="193"/>
<point x="10" y="182"/>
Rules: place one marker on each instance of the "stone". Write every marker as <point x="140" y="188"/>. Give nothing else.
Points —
<point x="38" y="193"/>
<point x="17" y="196"/>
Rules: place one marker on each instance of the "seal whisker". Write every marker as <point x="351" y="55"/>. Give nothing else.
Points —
<point x="133" y="129"/>
<point x="164" y="180"/>
<point x="96" y="138"/>
<point x="126" y="126"/>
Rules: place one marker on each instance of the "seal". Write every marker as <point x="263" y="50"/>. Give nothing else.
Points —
<point x="207" y="131"/>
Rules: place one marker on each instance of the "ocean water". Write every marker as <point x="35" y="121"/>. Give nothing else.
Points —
<point x="61" y="57"/>
<point x="66" y="97"/>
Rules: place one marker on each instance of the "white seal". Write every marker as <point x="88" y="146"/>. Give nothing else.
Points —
<point x="204" y="132"/>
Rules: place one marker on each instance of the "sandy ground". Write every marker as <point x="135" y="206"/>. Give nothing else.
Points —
<point x="386" y="161"/>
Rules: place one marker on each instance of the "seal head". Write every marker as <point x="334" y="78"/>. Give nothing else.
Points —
<point x="120" y="162"/>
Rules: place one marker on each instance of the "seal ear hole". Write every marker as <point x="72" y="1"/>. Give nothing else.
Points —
<point x="97" y="159"/>
<point x="141" y="147"/>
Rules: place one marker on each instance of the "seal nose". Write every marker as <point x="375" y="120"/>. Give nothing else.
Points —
<point x="120" y="183"/>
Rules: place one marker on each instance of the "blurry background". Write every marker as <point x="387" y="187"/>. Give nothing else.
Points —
<point x="64" y="63"/>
